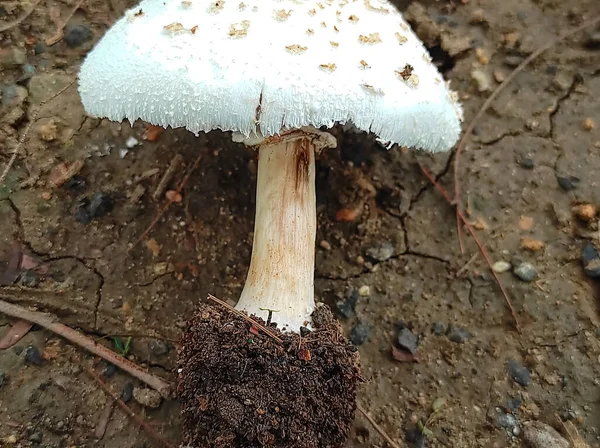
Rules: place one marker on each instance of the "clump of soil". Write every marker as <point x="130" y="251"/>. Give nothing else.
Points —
<point x="240" y="389"/>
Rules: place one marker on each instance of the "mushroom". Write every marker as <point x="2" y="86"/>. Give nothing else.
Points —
<point x="277" y="74"/>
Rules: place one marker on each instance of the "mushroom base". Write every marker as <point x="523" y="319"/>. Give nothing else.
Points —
<point x="241" y="389"/>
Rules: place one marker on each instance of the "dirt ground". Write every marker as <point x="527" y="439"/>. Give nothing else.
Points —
<point x="533" y="156"/>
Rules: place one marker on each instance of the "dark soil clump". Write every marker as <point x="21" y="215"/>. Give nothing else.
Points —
<point x="241" y="389"/>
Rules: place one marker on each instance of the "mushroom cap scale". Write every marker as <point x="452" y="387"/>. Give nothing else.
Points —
<point x="262" y="67"/>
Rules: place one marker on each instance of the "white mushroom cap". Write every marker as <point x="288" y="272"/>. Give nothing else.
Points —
<point x="263" y="66"/>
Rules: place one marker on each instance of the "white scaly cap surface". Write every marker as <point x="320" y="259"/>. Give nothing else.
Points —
<point x="263" y="66"/>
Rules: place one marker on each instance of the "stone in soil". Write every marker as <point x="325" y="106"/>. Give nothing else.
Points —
<point x="2" y="377"/>
<point x="12" y="57"/>
<point x="99" y="205"/>
<point x="148" y="398"/>
<point x="242" y="389"/>
<point x="77" y="35"/>
<point x="33" y="356"/>
<point x="527" y="163"/>
<point x="500" y="267"/>
<point x="158" y="347"/>
<point x="567" y="183"/>
<point x="519" y="373"/>
<point x="381" y="252"/>
<point x="127" y="394"/>
<point x="110" y="370"/>
<point x="360" y="334"/>
<point x="29" y="279"/>
<point x="541" y="435"/>
<point x="346" y="307"/>
<point x="506" y="421"/>
<point x="458" y="334"/>
<point x="591" y="260"/>
<point x="525" y="271"/>
<point x="407" y="340"/>
<point x="36" y="437"/>
<point x="438" y="328"/>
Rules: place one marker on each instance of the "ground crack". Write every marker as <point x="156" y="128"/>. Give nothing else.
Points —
<point x="577" y="80"/>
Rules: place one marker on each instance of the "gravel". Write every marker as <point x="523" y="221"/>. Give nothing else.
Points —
<point x="519" y="373"/>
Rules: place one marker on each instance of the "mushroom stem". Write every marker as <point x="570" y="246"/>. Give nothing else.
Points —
<point x="281" y="274"/>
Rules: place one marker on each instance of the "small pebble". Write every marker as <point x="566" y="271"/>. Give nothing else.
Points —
<point x="513" y="61"/>
<point x="588" y="124"/>
<point x="458" y="334"/>
<point x="346" y="307"/>
<point x="527" y="163"/>
<point x="99" y="205"/>
<point x="127" y="394"/>
<point x="110" y="370"/>
<point x="593" y="40"/>
<point x="591" y="260"/>
<point x="513" y="404"/>
<point x="33" y="356"/>
<point x="407" y="340"/>
<point x="39" y="48"/>
<point x="131" y="142"/>
<point x="325" y="245"/>
<point x="364" y="291"/>
<point x="77" y="35"/>
<point x="29" y="279"/>
<point x="482" y="80"/>
<point x="36" y="437"/>
<point x="567" y="183"/>
<point x="381" y="252"/>
<point x="147" y="397"/>
<point x="438" y="328"/>
<point x="541" y="435"/>
<point x="360" y="334"/>
<point x="12" y="57"/>
<point x="501" y="266"/>
<point x="506" y="421"/>
<point x="519" y="373"/>
<point x="158" y="347"/>
<point x="525" y="271"/>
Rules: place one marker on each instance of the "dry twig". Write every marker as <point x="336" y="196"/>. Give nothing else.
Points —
<point x="58" y="35"/>
<point x="162" y="211"/>
<point x="164" y="181"/>
<point x="19" y="19"/>
<point x="481" y="247"/>
<point x="264" y="329"/>
<point x="50" y="323"/>
<point x="128" y="410"/>
<point x="379" y="429"/>
<point x="32" y="120"/>
<point x="463" y="141"/>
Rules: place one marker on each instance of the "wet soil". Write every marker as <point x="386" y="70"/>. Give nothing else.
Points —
<point x="239" y="387"/>
<point x="533" y="157"/>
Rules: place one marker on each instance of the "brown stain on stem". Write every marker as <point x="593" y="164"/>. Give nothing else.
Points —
<point x="302" y="164"/>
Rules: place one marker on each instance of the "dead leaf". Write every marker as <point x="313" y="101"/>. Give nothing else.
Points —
<point x="15" y="334"/>
<point x="348" y="214"/>
<point x="479" y="224"/>
<point x="52" y="350"/>
<point x="173" y="196"/>
<point x="304" y="354"/>
<point x="153" y="247"/>
<point x="404" y="356"/>
<point x="64" y="172"/>
<point x="531" y="244"/>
